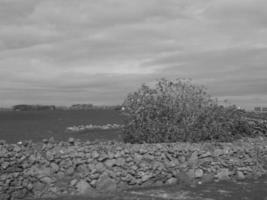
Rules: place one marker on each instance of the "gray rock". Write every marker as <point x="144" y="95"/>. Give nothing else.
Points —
<point x="60" y="175"/>
<point x="73" y="182"/>
<point x="100" y="167"/>
<point x="110" y="163"/>
<point x="146" y="177"/>
<point x="191" y="173"/>
<point x="240" y="175"/>
<point x="38" y="186"/>
<point x="71" y="140"/>
<point x="193" y="159"/>
<point x="184" y="178"/>
<point x="218" y="152"/>
<point x="47" y="180"/>
<point x="93" y="183"/>
<point x="70" y="171"/>
<point x="199" y="173"/>
<point x="120" y="162"/>
<point x="182" y="159"/>
<point x="19" y="194"/>
<point x="223" y="174"/>
<point x="207" y="178"/>
<point x="106" y="184"/>
<point x="5" y="165"/>
<point x="103" y="157"/>
<point x="84" y="188"/>
<point x="95" y="154"/>
<point x="205" y="155"/>
<point x="171" y="180"/>
<point x="54" y="167"/>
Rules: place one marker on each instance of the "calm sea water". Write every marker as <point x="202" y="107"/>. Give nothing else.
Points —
<point x="37" y="125"/>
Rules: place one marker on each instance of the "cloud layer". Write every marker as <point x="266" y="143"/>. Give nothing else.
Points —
<point x="65" y="51"/>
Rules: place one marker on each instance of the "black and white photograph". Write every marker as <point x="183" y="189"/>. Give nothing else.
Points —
<point x="133" y="100"/>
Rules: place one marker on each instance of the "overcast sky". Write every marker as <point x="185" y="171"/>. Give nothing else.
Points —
<point x="69" y="51"/>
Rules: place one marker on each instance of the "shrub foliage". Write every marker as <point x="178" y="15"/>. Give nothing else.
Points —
<point x="171" y="111"/>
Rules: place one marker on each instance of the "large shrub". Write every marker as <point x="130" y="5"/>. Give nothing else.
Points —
<point x="171" y="111"/>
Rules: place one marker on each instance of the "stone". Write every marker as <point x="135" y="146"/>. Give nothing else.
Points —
<point x="103" y="157"/>
<point x="184" y="178"/>
<point x="182" y="159"/>
<point x="29" y="186"/>
<point x="54" y="190"/>
<point x="142" y="151"/>
<point x="4" y="165"/>
<point x="60" y="175"/>
<point x="120" y="162"/>
<point x="94" y="176"/>
<point x="159" y="183"/>
<point x="47" y="180"/>
<point x="99" y="167"/>
<point x="205" y="155"/>
<point x="19" y="194"/>
<point x="17" y="148"/>
<point x="106" y="184"/>
<point x="199" y="173"/>
<point x="218" y="152"/>
<point x="110" y="163"/>
<point x="207" y="178"/>
<point x="5" y="196"/>
<point x="93" y="183"/>
<point x="191" y="173"/>
<point x="193" y="160"/>
<point x="38" y="186"/>
<point x="54" y="167"/>
<point x="95" y="154"/>
<point x="73" y="182"/>
<point x="146" y="177"/>
<point x="84" y="188"/>
<point x="240" y="175"/>
<point x="70" y="171"/>
<point x="45" y="141"/>
<point x="71" y="140"/>
<point x="171" y="180"/>
<point x="223" y="174"/>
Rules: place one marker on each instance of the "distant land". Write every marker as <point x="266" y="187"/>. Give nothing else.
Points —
<point x="39" y="107"/>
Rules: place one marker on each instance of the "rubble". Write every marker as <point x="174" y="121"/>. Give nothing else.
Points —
<point x="55" y="168"/>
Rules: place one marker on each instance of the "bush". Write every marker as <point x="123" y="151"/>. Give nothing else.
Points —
<point x="172" y="111"/>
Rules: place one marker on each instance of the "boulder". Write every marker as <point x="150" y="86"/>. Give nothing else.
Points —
<point x="84" y="188"/>
<point x="110" y="163"/>
<point x="240" y="175"/>
<point x="106" y="184"/>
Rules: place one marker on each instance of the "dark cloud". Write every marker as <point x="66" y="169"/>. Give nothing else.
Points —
<point x="64" y="51"/>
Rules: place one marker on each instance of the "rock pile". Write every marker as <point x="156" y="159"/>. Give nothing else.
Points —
<point x="258" y="125"/>
<point x="51" y="169"/>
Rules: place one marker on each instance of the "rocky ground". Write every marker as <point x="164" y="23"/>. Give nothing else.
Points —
<point x="252" y="189"/>
<point x="52" y="169"/>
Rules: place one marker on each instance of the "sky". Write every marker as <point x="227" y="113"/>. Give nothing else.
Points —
<point x="65" y="52"/>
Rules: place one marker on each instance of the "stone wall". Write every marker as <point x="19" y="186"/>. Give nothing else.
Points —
<point x="51" y="168"/>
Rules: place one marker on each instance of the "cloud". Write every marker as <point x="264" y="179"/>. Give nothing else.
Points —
<point x="61" y="51"/>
